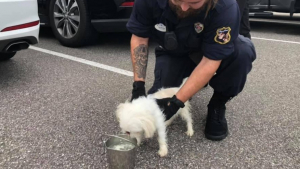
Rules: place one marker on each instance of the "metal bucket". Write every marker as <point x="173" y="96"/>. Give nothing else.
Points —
<point x="120" y="159"/>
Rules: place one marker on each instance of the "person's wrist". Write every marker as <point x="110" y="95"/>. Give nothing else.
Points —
<point x="138" y="85"/>
<point x="138" y="89"/>
<point x="177" y="102"/>
<point x="181" y="96"/>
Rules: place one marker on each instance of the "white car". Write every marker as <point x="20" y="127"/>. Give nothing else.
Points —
<point x="19" y="26"/>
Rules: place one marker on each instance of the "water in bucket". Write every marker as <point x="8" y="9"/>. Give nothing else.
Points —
<point x="126" y="146"/>
<point x="121" y="152"/>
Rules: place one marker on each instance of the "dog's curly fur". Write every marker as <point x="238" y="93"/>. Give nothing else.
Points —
<point x="143" y="117"/>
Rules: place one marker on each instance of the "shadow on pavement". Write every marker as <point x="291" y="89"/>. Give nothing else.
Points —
<point x="12" y="72"/>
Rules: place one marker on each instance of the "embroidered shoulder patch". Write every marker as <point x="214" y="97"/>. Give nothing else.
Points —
<point x="223" y="35"/>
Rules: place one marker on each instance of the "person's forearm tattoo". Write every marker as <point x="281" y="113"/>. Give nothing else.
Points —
<point x="141" y="58"/>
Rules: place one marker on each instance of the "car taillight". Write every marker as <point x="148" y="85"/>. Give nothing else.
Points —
<point x="127" y="4"/>
<point x="26" y="25"/>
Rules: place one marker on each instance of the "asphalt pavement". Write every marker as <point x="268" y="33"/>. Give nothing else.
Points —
<point x="57" y="104"/>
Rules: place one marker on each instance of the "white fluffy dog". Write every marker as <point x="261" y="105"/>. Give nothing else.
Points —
<point x="143" y="117"/>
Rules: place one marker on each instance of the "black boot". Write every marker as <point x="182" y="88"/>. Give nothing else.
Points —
<point x="216" y="125"/>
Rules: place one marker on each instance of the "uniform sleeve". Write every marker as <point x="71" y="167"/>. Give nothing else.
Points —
<point x="141" y="19"/>
<point x="220" y="33"/>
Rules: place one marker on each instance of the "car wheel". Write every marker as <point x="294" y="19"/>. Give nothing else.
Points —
<point x="71" y="23"/>
<point x="6" y="56"/>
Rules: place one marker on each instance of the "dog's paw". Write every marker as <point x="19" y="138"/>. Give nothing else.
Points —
<point x="163" y="151"/>
<point x="190" y="132"/>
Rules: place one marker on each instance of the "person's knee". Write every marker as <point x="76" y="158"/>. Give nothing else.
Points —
<point x="247" y="48"/>
<point x="245" y="54"/>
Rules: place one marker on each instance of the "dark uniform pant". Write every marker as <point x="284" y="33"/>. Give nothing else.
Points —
<point x="229" y="79"/>
<point x="244" y="12"/>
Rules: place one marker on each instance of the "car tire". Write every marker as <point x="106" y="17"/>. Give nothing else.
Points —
<point x="6" y="55"/>
<point x="64" y="23"/>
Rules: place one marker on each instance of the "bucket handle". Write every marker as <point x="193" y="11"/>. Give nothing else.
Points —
<point x="104" y="146"/>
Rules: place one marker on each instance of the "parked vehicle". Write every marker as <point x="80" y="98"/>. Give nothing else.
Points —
<point x="76" y="22"/>
<point x="266" y="7"/>
<point x="19" y="26"/>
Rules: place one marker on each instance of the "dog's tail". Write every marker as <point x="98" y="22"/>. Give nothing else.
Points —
<point x="183" y="82"/>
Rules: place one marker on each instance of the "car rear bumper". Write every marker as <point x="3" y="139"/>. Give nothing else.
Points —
<point x="28" y="35"/>
<point x="19" y="33"/>
<point x="4" y="44"/>
<point x="17" y="12"/>
<point x="19" y="23"/>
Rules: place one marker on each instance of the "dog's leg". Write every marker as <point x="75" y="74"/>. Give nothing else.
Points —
<point x="162" y="140"/>
<point x="167" y="123"/>
<point x="186" y="115"/>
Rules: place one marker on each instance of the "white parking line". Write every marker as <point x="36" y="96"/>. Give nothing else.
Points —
<point x="84" y="61"/>
<point x="275" y="40"/>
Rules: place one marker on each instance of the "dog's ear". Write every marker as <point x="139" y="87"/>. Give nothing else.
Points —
<point x="148" y="125"/>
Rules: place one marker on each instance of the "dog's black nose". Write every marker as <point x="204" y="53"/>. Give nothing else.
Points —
<point x="127" y="132"/>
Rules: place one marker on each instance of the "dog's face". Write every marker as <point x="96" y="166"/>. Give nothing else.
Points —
<point x="135" y="120"/>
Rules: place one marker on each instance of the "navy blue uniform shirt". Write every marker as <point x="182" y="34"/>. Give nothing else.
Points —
<point x="213" y="34"/>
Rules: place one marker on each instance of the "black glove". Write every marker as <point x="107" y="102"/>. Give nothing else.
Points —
<point x="170" y="106"/>
<point x="138" y="90"/>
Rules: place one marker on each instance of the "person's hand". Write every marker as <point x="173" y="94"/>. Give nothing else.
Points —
<point x="138" y="90"/>
<point x="170" y="106"/>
